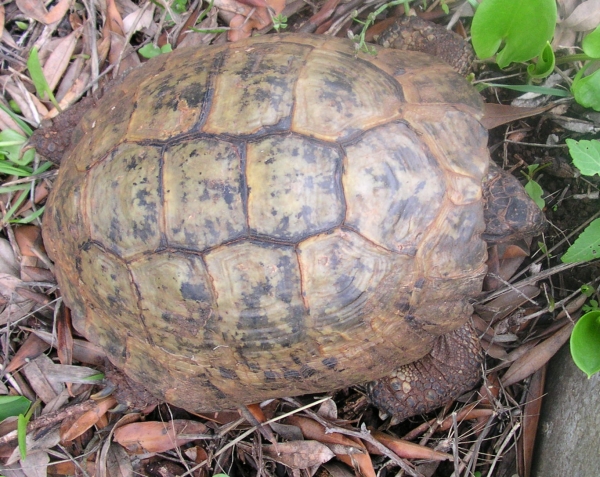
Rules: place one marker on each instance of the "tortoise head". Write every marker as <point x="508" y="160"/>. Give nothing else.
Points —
<point x="509" y="212"/>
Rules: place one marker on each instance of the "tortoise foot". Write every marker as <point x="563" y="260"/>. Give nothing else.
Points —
<point x="452" y="368"/>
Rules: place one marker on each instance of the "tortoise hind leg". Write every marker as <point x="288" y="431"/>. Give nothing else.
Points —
<point x="451" y="368"/>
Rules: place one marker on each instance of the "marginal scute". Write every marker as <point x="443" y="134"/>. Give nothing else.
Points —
<point x="349" y="92"/>
<point x="203" y="194"/>
<point x="258" y="299"/>
<point x="111" y="300"/>
<point x="168" y="104"/>
<point x="394" y="187"/>
<point x="255" y="88"/>
<point x="457" y="138"/>
<point x="457" y="231"/>
<point x="122" y="202"/>
<point x="294" y="187"/>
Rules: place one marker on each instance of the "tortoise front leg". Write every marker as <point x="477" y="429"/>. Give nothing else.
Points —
<point x="451" y="368"/>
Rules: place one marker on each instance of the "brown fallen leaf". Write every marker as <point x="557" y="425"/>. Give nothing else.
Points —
<point x="537" y="357"/>
<point x="531" y="417"/>
<point x="58" y="61"/>
<point x="35" y="9"/>
<point x="299" y="454"/>
<point x="83" y="351"/>
<point x="29" y="350"/>
<point x="316" y="431"/>
<point x="154" y="436"/>
<point x="405" y="449"/>
<point x="74" y="427"/>
<point x="35" y="372"/>
<point x="255" y="416"/>
<point x="499" y="114"/>
<point x="64" y="347"/>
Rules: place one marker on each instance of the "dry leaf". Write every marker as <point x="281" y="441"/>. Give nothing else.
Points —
<point x="35" y="9"/>
<point x="134" y="22"/>
<point x="299" y="454"/>
<point x="585" y="17"/>
<point x="83" y="351"/>
<point x="58" y="61"/>
<point x="114" y="22"/>
<point x="35" y="372"/>
<point x="8" y="262"/>
<point x="15" y="311"/>
<point x="72" y="428"/>
<point x="64" y="347"/>
<point x="408" y="450"/>
<point x="1" y="20"/>
<point x="36" y="464"/>
<point x="315" y="431"/>
<point x="118" y="463"/>
<point x="533" y="360"/>
<point x="141" y="437"/>
<point x="531" y="417"/>
<point x="499" y="114"/>
<point x="30" y="349"/>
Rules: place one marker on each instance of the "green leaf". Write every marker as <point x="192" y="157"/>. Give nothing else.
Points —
<point x="544" y="65"/>
<point x="22" y="435"/>
<point x="527" y="88"/>
<point x="523" y="27"/>
<point x="30" y="218"/>
<point x="585" y="343"/>
<point x="586" y="156"/>
<point x="587" y="245"/>
<point x="11" y="143"/>
<point x="591" y="43"/>
<point x="22" y="124"/>
<point x="535" y="192"/>
<point x="39" y="80"/>
<point x="587" y="91"/>
<point x="179" y="6"/>
<point x="149" y="51"/>
<point x="13" y="406"/>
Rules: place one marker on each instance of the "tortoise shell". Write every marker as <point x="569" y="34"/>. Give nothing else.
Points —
<point x="273" y="217"/>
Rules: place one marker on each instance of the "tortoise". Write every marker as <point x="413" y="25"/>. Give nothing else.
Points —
<point x="280" y="216"/>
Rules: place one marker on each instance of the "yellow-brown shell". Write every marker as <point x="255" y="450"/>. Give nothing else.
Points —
<point x="272" y="217"/>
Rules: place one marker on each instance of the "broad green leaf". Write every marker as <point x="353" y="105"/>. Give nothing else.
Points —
<point x="591" y="44"/>
<point x="523" y="27"/>
<point x="585" y="343"/>
<point x="587" y="91"/>
<point x="535" y="192"/>
<point x="149" y="51"/>
<point x="13" y="406"/>
<point x="587" y="245"/>
<point x="544" y="65"/>
<point x="586" y="155"/>
<point x="11" y="143"/>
